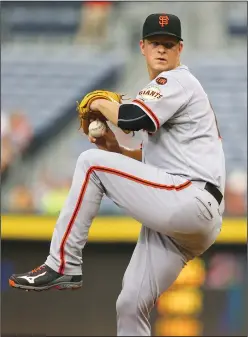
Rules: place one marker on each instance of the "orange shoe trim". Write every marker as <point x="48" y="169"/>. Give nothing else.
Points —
<point x="12" y="283"/>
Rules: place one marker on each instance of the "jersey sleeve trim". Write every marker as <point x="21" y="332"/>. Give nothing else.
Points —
<point x="148" y="111"/>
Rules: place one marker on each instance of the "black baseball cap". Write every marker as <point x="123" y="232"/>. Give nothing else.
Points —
<point x="162" y="24"/>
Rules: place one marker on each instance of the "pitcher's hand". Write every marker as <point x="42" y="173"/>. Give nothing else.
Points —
<point x="107" y="142"/>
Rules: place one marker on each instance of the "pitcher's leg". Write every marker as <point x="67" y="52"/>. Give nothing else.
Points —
<point x="148" y="193"/>
<point x="62" y="269"/>
<point x="71" y="231"/>
<point x="131" y="184"/>
<point x="154" y="266"/>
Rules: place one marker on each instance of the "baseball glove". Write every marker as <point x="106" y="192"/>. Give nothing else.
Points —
<point x="86" y="115"/>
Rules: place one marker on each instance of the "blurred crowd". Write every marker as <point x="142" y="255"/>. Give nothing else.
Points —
<point x="236" y="193"/>
<point x="16" y="134"/>
<point x="93" y="25"/>
<point x="47" y="196"/>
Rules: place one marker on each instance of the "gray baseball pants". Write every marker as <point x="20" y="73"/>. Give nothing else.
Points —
<point x="180" y="220"/>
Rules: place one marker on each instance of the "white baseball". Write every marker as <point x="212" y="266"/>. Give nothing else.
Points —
<point x="97" y="129"/>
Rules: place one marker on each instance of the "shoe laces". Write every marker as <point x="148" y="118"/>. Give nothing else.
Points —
<point x="37" y="269"/>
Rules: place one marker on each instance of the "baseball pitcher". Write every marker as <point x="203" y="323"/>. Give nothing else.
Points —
<point x="173" y="185"/>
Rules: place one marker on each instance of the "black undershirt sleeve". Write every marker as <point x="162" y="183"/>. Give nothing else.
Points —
<point x="131" y="117"/>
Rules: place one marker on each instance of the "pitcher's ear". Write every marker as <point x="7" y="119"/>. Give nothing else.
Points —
<point x="142" y="47"/>
<point x="180" y="46"/>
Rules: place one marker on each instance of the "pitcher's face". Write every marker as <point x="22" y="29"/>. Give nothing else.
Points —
<point x="162" y="53"/>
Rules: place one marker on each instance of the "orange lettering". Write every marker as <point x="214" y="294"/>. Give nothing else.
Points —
<point x="163" y="20"/>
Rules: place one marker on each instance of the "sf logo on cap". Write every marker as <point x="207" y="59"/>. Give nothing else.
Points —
<point x="163" y="20"/>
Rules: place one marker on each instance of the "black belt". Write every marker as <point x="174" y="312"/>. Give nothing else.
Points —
<point x="214" y="191"/>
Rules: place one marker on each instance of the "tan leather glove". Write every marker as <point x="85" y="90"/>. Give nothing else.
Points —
<point x="83" y="108"/>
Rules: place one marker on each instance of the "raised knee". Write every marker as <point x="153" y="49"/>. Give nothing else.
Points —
<point x="89" y="156"/>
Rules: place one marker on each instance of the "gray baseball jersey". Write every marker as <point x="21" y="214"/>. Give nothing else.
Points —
<point x="186" y="141"/>
<point x="165" y="193"/>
